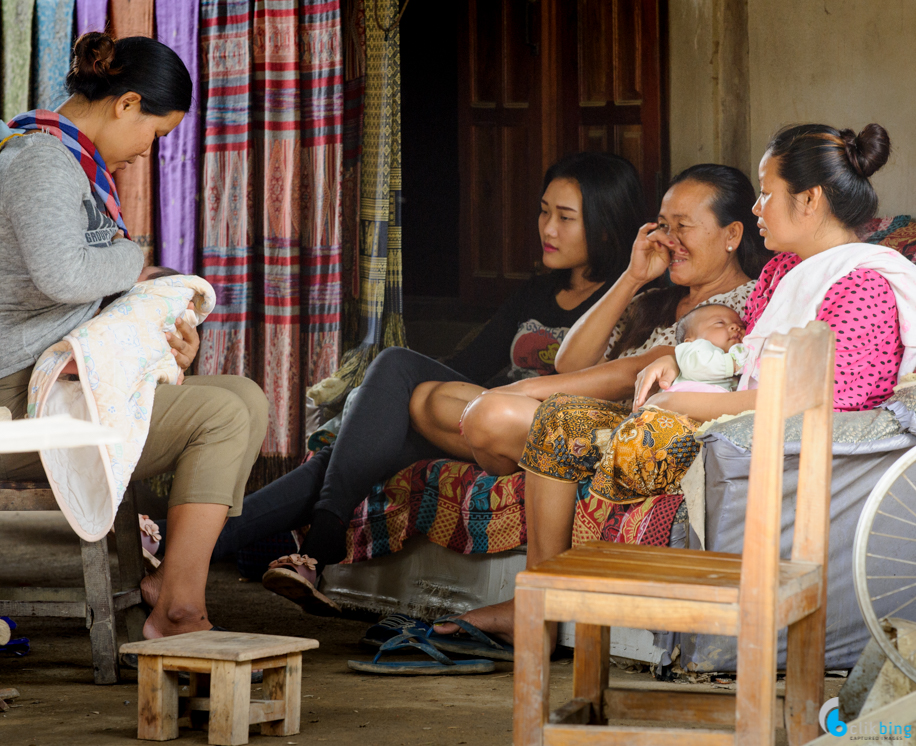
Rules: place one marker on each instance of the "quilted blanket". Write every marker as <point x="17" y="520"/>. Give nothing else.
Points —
<point x="121" y="355"/>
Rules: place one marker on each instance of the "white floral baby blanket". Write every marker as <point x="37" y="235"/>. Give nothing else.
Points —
<point x="121" y="355"/>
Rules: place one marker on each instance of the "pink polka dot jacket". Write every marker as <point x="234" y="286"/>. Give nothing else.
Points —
<point x="861" y="308"/>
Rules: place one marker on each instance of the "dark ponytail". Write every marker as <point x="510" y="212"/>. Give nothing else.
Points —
<point x="838" y="161"/>
<point x="102" y="68"/>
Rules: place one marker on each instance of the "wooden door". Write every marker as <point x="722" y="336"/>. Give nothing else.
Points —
<point x="539" y="79"/>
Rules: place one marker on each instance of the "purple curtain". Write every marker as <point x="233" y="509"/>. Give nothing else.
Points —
<point x="177" y="25"/>
<point x="91" y="15"/>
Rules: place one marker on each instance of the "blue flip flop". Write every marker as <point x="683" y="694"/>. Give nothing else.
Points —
<point x="392" y="626"/>
<point x="477" y="642"/>
<point x="441" y="665"/>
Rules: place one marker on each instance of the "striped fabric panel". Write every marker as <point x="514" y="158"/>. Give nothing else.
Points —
<point x="226" y="226"/>
<point x="276" y="136"/>
<point x="321" y="90"/>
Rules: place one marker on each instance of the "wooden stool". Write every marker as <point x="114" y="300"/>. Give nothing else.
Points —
<point x="226" y="659"/>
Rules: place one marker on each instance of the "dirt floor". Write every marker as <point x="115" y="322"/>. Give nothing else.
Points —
<point x="59" y="705"/>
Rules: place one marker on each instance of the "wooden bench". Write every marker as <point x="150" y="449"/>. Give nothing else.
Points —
<point x="220" y="664"/>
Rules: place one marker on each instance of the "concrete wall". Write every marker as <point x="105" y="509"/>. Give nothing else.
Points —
<point x="842" y="62"/>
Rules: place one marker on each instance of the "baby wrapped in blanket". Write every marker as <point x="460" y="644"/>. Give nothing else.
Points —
<point x="709" y="352"/>
<point x="120" y="356"/>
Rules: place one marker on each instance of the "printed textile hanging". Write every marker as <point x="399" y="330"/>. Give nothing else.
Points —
<point x="177" y="26"/>
<point x="380" y="301"/>
<point x="53" y="40"/>
<point x="271" y="203"/>
<point x="135" y="182"/>
<point x="15" y="55"/>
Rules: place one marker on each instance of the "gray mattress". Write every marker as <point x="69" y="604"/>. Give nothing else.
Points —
<point x="866" y="444"/>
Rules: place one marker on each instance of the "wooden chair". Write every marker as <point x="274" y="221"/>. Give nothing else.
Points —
<point x="97" y="603"/>
<point x="751" y="596"/>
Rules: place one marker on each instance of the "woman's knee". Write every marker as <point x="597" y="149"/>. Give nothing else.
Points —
<point x="486" y="420"/>
<point x="421" y="401"/>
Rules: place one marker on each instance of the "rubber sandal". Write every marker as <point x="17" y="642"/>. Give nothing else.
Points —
<point x="441" y="665"/>
<point x="392" y="626"/>
<point x="477" y="642"/>
<point x="293" y="577"/>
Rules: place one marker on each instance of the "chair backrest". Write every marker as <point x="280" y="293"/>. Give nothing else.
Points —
<point x="796" y="375"/>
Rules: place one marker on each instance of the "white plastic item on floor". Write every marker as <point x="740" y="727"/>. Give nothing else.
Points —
<point x="426" y="580"/>
<point x="61" y="431"/>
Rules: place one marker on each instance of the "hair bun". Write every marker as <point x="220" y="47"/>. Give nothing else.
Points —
<point x="868" y="151"/>
<point x="94" y="56"/>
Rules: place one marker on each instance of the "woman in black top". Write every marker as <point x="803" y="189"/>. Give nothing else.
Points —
<point x="591" y="209"/>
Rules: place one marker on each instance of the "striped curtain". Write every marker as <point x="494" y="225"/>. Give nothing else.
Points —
<point x="272" y="203"/>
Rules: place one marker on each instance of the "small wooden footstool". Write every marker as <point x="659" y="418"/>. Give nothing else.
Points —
<point x="226" y="659"/>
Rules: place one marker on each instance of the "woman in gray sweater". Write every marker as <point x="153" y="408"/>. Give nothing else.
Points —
<point x="64" y="247"/>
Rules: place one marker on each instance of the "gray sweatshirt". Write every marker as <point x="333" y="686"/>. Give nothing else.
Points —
<point x="57" y="258"/>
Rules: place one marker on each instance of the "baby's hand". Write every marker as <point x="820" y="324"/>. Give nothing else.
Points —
<point x="659" y="374"/>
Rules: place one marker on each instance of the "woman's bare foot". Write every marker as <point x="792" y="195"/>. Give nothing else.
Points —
<point x="497" y="620"/>
<point x="176" y="621"/>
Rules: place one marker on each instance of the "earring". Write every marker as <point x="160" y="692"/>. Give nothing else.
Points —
<point x="730" y="249"/>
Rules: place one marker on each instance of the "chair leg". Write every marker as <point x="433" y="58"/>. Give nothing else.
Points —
<point x="286" y="684"/>
<point x="804" y="678"/>
<point x="532" y="668"/>
<point x="755" y="699"/>
<point x="130" y="560"/>
<point x="230" y="698"/>
<point x="100" y="615"/>
<point x="590" y="666"/>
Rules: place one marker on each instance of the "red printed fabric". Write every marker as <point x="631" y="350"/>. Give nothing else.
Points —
<point x="862" y="311"/>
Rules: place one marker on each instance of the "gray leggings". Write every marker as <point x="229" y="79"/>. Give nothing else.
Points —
<point x="375" y="442"/>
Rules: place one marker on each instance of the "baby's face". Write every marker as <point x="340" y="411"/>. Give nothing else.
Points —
<point x="717" y="324"/>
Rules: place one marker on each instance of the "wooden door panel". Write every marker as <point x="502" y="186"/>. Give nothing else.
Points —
<point x="539" y="79"/>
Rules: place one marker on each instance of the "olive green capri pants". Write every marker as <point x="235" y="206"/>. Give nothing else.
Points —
<point x="208" y="431"/>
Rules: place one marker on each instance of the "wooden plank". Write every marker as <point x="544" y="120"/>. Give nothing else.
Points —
<point x="27" y="499"/>
<point x="226" y="646"/>
<point x="589" y="735"/>
<point x="575" y="712"/>
<point x="590" y="665"/>
<point x="157" y="703"/>
<point x="100" y="612"/>
<point x="284" y="684"/>
<point x="681" y="706"/>
<point x="43" y="608"/>
<point x="268" y="712"/>
<point x="54" y="595"/>
<point x="640" y="612"/>
<point x="792" y="608"/>
<point x="230" y="693"/>
<point x="126" y="599"/>
<point x="532" y="668"/>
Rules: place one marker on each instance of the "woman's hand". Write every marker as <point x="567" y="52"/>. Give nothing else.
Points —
<point x="659" y="374"/>
<point x="185" y="342"/>
<point x="650" y="256"/>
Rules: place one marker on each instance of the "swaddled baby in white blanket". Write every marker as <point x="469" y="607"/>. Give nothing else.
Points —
<point x="118" y="358"/>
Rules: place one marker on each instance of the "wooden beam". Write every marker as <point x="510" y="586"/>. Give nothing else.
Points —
<point x="575" y="712"/>
<point x="588" y="735"/>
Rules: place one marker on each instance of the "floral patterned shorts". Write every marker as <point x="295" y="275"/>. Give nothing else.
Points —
<point x="632" y="456"/>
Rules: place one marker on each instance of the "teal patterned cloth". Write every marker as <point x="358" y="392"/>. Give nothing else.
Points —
<point x="54" y="38"/>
